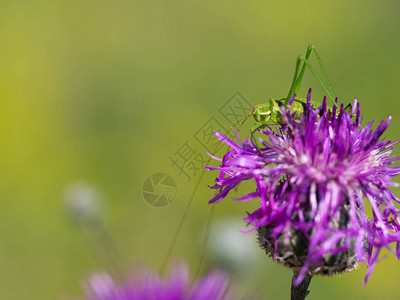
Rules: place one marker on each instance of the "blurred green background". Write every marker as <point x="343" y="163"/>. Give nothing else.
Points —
<point x="107" y="91"/>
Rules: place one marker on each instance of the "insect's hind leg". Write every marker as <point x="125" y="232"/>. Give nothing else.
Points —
<point x="332" y="97"/>
<point x="298" y="77"/>
<point x="296" y="81"/>
<point x="312" y="47"/>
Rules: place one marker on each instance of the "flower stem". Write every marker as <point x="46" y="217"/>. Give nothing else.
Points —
<point x="300" y="291"/>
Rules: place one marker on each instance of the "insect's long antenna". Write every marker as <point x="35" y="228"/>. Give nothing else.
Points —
<point x="205" y="240"/>
<point x="174" y="239"/>
<point x="210" y="218"/>
<point x="189" y="204"/>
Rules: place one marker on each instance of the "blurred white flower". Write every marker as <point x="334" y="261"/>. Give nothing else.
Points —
<point x="83" y="202"/>
<point x="230" y="248"/>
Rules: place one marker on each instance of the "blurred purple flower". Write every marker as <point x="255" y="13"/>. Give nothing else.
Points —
<point x="148" y="285"/>
<point x="312" y="177"/>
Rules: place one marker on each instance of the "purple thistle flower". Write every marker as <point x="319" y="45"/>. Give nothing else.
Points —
<point x="312" y="176"/>
<point x="148" y="285"/>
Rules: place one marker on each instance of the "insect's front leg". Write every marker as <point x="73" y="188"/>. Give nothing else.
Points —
<point x="253" y="130"/>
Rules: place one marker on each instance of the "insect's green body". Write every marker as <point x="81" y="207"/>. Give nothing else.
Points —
<point x="265" y="114"/>
<point x="271" y="113"/>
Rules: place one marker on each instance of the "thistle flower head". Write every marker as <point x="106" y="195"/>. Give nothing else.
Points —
<point x="148" y="285"/>
<point x="313" y="174"/>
